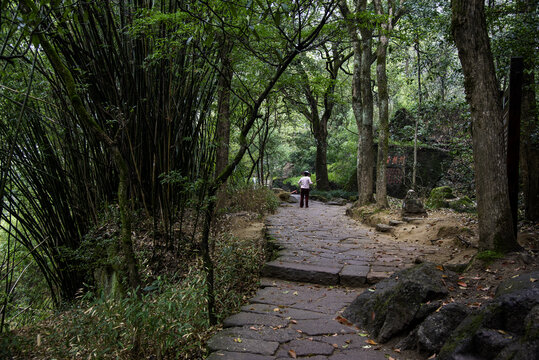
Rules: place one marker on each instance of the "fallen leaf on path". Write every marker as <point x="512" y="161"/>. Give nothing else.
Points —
<point x="363" y="334"/>
<point x="343" y="321"/>
<point x="238" y="340"/>
<point x="276" y="309"/>
<point x="440" y="267"/>
<point x="372" y="342"/>
<point x="533" y="280"/>
<point x="433" y="356"/>
<point x="462" y="284"/>
<point x="397" y="350"/>
<point x="366" y="347"/>
<point x="292" y="354"/>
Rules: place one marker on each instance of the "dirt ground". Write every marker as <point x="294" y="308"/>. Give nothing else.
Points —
<point x="455" y="234"/>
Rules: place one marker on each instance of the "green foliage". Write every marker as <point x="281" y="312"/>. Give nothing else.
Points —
<point x="237" y="265"/>
<point x="334" y="194"/>
<point x="246" y="197"/>
<point x="438" y="197"/>
<point x="166" y="322"/>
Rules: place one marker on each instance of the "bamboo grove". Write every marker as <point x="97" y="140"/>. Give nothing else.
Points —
<point x="120" y="101"/>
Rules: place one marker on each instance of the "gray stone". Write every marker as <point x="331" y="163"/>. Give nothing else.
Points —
<point x="226" y="355"/>
<point x="245" y="318"/>
<point x="257" y="332"/>
<point x="438" y="326"/>
<point x="322" y="327"/>
<point x="327" y="275"/>
<point x="395" y="222"/>
<point x="284" y="312"/>
<point x="354" y="275"/>
<point x="392" y="307"/>
<point x="358" y="354"/>
<point x="305" y="347"/>
<point x="374" y="277"/>
<point x="521" y="281"/>
<point x="500" y="329"/>
<point x="226" y="343"/>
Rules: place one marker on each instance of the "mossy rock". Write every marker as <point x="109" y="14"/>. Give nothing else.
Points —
<point x="463" y="204"/>
<point x="284" y="195"/>
<point x="438" y="197"/>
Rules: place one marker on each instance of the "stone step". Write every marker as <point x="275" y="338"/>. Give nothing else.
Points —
<point x="324" y="275"/>
<point x="347" y="275"/>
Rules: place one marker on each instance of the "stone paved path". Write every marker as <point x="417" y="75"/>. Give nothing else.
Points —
<point x="326" y="260"/>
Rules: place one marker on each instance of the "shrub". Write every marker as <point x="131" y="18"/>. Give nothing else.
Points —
<point x="438" y="197"/>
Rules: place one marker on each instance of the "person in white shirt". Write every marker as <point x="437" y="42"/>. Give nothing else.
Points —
<point x="304" y="186"/>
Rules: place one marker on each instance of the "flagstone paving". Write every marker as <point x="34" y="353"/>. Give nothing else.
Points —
<point x="325" y="260"/>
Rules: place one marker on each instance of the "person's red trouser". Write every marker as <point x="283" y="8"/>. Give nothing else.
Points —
<point x="304" y="194"/>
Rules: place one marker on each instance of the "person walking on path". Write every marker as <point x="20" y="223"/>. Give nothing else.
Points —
<point x="304" y="188"/>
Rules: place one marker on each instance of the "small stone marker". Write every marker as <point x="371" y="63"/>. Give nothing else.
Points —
<point x="412" y="206"/>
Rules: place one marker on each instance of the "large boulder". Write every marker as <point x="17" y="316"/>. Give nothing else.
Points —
<point x="505" y="328"/>
<point x="400" y="302"/>
<point x="434" y="331"/>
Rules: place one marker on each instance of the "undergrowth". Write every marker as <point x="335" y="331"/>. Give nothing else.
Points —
<point x="168" y="320"/>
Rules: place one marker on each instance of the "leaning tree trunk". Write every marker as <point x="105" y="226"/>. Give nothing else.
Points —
<point x="494" y="212"/>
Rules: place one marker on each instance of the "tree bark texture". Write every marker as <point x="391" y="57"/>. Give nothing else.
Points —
<point x="383" y="101"/>
<point x="366" y="140"/>
<point x="223" y="106"/>
<point x="529" y="151"/>
<point x="471" y="37"/>
<point x="362" y="101"/>
<point x="529" y="144"/>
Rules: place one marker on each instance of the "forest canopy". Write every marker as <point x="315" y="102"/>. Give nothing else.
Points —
<point x="122" y="117"/>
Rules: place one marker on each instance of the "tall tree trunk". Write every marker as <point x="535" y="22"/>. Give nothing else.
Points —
<point x="321" y="165"/>
<point x="529" y="149"/>
<point x="530" y="146"/>
<point x="482" y="93"/>
<point x="223" y="108"/>
<point x="366" y="141"/>
<point x="362" y="103"/>
<point x="383" y="101"/>
<point x="419" y="112"/>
